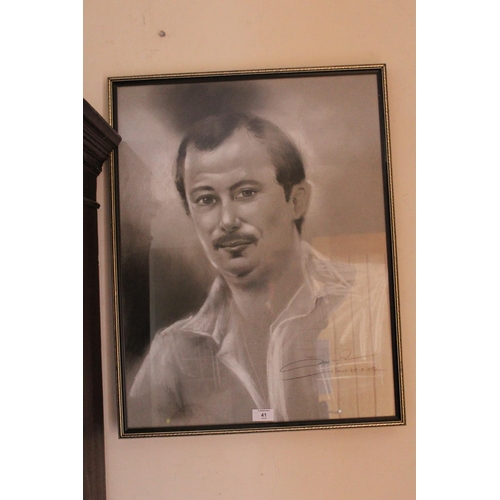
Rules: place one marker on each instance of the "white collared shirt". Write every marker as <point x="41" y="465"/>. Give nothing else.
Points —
<point x="329" y="356"/>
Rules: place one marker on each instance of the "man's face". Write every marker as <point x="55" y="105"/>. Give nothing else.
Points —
<point x="239" y="210"/>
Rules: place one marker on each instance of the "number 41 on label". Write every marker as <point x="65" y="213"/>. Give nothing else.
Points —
<point x="263" y="415"/>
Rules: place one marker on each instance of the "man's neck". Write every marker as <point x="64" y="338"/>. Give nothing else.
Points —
<point x="261" y="303"/>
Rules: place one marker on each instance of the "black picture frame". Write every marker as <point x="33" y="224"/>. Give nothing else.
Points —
<point x="338" y="118"/>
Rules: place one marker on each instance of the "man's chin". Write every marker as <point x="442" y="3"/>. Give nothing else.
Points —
<point x="240" y="271"/>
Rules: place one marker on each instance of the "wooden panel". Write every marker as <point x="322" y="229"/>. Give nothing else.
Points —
<point x="99" y="139"/>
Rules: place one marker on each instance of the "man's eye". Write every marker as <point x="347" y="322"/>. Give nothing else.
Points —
<point x="246" y="193"/>
<point x="205" y="200"/>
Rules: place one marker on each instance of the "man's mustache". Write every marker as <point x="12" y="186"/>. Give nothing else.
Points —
<point x="233" y="240"/>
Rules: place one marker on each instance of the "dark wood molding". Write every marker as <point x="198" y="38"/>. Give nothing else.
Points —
<point x="99" y="139"/>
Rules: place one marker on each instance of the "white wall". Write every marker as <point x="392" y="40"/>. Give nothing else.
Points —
<point x="121" y="38"/>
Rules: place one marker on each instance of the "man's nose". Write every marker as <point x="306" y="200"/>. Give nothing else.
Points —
<point x="229" y="220"/>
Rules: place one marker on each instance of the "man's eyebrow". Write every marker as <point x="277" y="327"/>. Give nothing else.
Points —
<point x="201" y="188"/>
<point x="246" y="182"/>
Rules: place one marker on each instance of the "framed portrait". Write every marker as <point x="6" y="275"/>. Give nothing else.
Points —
<point x="255" y="273"/>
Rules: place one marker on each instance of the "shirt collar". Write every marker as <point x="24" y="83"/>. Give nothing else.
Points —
<point x="324" y="279"/>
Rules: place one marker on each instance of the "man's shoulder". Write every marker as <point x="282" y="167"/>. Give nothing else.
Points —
<point x="172" y="330"/>
<point x="179" y="336"/>
<point x="173" y="351"/>
<point x="368" y="296"/>
<point x="371" y="273"/>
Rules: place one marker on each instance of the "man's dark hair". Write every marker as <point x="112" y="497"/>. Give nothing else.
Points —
<point x="211" y="132"/>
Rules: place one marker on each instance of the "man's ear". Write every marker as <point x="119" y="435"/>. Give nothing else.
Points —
<point x="300" y="197"/>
